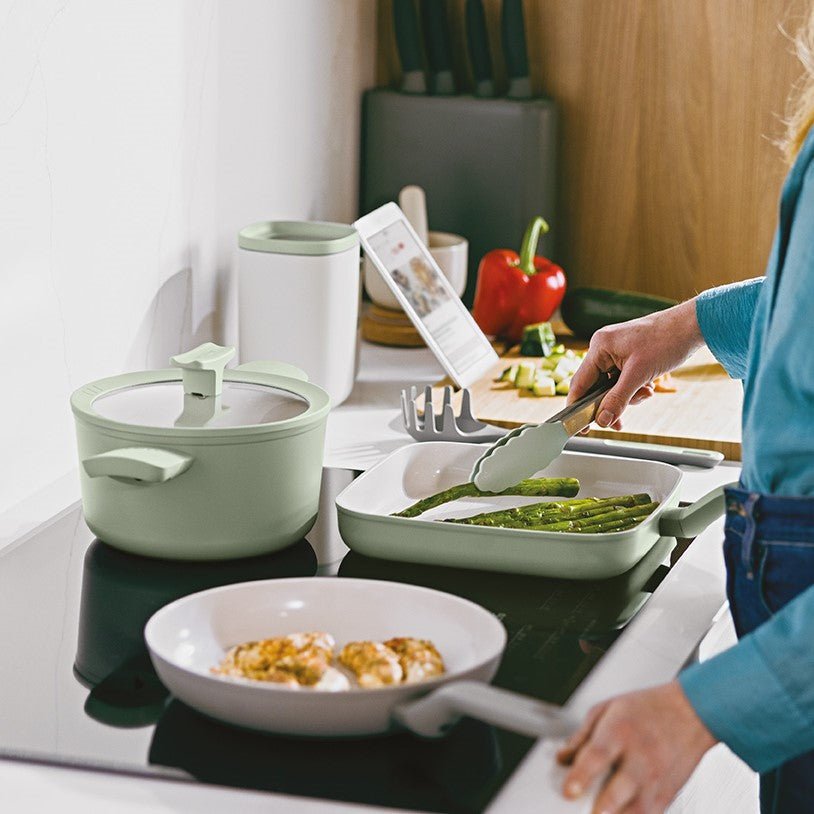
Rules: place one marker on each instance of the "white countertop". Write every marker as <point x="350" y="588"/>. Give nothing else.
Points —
<point x="360" y="432"/>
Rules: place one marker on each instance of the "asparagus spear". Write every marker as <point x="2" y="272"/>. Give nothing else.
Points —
<point x="532" y="487"/>
<point x="522" y="515"/>
<point x="598" y="521"/>
<point x="536" y="513"/>
<point x="613" y="525"/>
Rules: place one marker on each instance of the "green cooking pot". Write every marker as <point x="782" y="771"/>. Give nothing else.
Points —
<point x="198" y="462"/>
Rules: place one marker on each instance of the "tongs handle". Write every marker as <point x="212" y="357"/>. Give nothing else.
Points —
<point x="582" y="412"/>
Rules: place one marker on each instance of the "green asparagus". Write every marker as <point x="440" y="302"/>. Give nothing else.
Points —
<point x="538" y="513"/>
<point x="598" y="521"/>
<point x="532" y="487"/>
<point x="613" y="525"/>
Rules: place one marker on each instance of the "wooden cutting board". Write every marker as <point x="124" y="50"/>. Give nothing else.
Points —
<point x="704" y="413"/>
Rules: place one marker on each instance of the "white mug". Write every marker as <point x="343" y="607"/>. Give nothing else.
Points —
<point x="448" y="250"/>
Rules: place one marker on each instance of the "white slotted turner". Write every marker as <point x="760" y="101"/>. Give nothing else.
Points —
<point x="447" y="426"/>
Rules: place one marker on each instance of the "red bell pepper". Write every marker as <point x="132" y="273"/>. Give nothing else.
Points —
<point x="513" y="291"/>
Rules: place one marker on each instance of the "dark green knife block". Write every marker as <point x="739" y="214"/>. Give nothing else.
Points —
<point x="488" y="166"/>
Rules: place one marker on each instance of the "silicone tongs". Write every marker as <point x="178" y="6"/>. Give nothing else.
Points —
<point x="533" y="447"/>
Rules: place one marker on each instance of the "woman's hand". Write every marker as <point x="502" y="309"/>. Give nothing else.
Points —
<point x="642" y="349"/>
<point x="649" y="741"/>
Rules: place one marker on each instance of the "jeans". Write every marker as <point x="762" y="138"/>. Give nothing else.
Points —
<point x="769" y="553"/>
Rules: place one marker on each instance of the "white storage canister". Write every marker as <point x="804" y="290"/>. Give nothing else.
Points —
<point x="298" y="299"/>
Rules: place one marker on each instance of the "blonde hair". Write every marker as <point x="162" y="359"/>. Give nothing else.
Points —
<point x="801" y="102"/>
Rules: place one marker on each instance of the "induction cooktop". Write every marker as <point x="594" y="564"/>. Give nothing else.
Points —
<point x="78" y="687"/>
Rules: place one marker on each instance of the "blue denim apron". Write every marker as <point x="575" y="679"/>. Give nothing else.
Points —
<point x="769" y="553"/>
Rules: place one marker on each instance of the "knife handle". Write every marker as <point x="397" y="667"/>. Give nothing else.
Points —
<point x="437" y="41"/>
<point x="514" y="39"/>
<point x="582" y="412"/>
<point x="408" y="40"/>
<point x="478" y="42"/>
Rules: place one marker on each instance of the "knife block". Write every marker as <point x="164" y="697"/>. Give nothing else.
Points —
<point x="488" y="166"/>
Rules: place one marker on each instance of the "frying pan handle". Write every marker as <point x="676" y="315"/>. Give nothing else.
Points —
<point x="691" y="520"/>
<point x="432" y="715"/>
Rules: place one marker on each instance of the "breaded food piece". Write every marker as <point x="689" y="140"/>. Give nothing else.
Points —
<point x="419" y="658"/>
<point x="374" y="664"/>
<point x="313" y="672"/>
<point x="260" y="660"/>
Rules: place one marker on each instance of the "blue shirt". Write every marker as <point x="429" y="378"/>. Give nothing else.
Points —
<point x="758" y="697"/>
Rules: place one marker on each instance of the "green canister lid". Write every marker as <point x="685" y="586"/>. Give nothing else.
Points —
<point x="298" y="237"/>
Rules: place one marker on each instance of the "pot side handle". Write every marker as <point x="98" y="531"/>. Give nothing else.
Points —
<point x="145" y="464"/>
<point x="690" y="521"/>
<point x="432" y="715"/>
<point x="275" y="369"/>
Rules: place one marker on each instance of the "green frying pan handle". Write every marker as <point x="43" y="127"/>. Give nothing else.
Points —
<point x="275" y="369"/>
<point x="144" y="464"/>
<point x="691" y="520"/>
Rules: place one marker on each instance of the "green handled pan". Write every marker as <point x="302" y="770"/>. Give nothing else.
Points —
<point x="419" y="470"/>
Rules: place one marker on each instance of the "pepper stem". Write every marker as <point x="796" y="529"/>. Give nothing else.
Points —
<point x="529" y="246"/>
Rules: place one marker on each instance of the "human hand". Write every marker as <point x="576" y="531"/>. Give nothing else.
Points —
<point x="642" y="349"/>
<point x="649" y="741"/>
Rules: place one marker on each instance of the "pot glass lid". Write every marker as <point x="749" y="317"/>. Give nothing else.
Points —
<point x="165" y="404"/>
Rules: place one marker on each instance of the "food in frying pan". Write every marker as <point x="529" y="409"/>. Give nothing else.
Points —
<point x="308" y="671"/>
<point x="531" y="487"/>
<point x="305" y="660"/>
<point x="418" y="658"/>
<point x="373" y="663"/>
<point x="589" y="515"/>
<point x="297" y="660"/>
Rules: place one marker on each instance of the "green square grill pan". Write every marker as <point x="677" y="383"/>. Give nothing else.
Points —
<point x="418" y="470"/>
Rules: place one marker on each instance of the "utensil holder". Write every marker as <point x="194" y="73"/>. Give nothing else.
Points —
<point x="487" y="166"/>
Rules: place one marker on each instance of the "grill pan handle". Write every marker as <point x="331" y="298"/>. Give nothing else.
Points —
<point x="691" y="520"/>
<point x="434" y="714"/>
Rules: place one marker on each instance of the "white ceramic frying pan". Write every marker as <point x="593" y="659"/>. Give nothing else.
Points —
<point x="190" y="636"/>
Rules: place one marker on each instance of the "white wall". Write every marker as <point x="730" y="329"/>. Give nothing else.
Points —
<point x="136" y="137"/>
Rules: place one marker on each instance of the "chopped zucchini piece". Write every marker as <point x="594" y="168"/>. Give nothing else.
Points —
<point x="562" y="371"/>
<point x="564" y="386"/>
<point x="525" y="376"/>
<point x="508" y="375"/>
<point x="565" y="369"/>
<point x="544" y="386"/>
<point x="538" y="339"/>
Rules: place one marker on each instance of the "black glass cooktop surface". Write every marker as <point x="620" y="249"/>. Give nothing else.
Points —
<point x="77" y="687"/>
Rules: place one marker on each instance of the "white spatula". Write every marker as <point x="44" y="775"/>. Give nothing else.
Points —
<point x="413" y="203"/>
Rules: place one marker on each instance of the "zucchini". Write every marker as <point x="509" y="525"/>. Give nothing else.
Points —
<point x="538" y="340"/>
<point x="508" y="375"/>
<point x="585" y="310"/>
<point x="525" y="376"/>
<point x="544" y="386"/>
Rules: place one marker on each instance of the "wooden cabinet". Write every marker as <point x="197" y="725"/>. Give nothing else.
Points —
<point x="669" y="173"/>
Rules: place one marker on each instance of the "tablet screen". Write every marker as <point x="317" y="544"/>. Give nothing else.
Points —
<point x="432" y="299"/>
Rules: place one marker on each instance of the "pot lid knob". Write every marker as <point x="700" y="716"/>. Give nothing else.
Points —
<point x="202" y="368"/>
